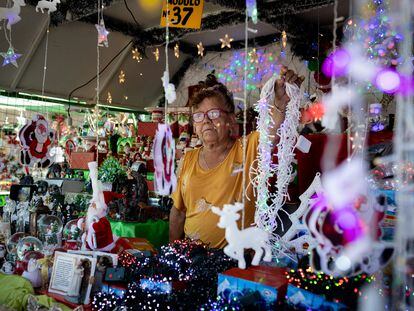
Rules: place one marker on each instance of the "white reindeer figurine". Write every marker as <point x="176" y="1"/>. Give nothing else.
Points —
<point x="12" y="14"/>
<point x="51" y="6"/>
<point x="239" y="240"/>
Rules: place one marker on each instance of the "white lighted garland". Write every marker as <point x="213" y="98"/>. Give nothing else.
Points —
<point x="266" y="215"/>
<point x="265" y="168"/>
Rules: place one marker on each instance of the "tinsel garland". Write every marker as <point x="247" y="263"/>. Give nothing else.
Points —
<point x="186" y="260"/>
<point x="344" y="290"/>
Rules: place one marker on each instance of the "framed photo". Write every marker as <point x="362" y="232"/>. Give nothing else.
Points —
<point x="72" y="276"/>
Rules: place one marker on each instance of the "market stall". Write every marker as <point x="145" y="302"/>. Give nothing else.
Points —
<point x="206" y="155"/>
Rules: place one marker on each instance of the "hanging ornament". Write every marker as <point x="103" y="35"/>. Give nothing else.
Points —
<point x="109" y="98"/>
<point x="121" y="77"/>
<point x="21" y="121"/>
<point x="12" y="14"/>
<point x="169" y="88"/>
<point x="102" y="34"/>
<point x="125" y="97"/>
<point x="164" y="157"/>
<point x="50" y="6"/>
<point x="252" y="10"/>
<point x="10" y="57"/>
<point x="200" y="48"/>
<point x="136" y="55"/>
<point x="156" y="54"/>
<point x="36" y="138"/>
<point x="176" y="50"/>
<point x="284" y="39"/>
<point x="226" y="41"/>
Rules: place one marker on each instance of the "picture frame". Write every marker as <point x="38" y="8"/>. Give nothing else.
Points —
<point x="63" y="275"/>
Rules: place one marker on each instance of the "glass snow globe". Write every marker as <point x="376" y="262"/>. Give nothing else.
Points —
<point x="72" y="234"/>
<point x="11" y="245"/>
<point x="49" y="231"/>
<point x="28" y="244"/>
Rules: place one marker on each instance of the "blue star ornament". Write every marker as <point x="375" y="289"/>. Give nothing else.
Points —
<point x="102" y="34"/>
<point x="10" y="57"/>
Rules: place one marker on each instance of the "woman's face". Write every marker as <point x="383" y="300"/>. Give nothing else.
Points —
<point x="217" y="130"/>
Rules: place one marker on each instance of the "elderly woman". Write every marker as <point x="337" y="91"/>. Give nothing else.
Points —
<point x="213" y="174"/>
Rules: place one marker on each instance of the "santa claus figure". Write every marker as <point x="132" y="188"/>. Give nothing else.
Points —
<point x="98" y="233"/>
<point x="36" y="138"/>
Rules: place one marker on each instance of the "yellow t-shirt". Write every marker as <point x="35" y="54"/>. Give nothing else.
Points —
<point x="199" y="189"/>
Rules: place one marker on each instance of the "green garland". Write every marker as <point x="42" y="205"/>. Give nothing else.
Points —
<point x="110" y="170"/>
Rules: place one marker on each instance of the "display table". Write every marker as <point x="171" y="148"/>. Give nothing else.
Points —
<point x="155" y="231"/>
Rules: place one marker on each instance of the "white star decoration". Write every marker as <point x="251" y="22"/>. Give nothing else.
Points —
<point x="226" y="41"/>
<point x="200" y="48"/>
<point x="10" y="57"/>
<point x="284" y="39"/>
<point x="102" y="34"/>
<point x="156" y="54"/>
<point x="177" y="50"/>
<point x="136" y="55"/>
<point x="121" y="77"/>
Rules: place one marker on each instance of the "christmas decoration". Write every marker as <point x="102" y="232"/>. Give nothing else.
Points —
<point x="12" y="14"/>
<point x="284" y="39"/>
<point x="110" y="170"/>
<point x="267" y="215"/>
<point x="238" y="240"/>
<point x="102" y="34"/>
<point x="98" y="235"/>
<point x="176" y="50"/>
<point x="121" y="77"/>
<point x="200" y="49"/>
<point x="136" y="55"/>
<point x="345" y="290"/>
<point x="36" y="138"/>
<point x="251" y="7"/>
<point x="109" y="98"/>
<point x="10" y="57"/>
<point x="226" y="41"/>
<point x="261" y="66"/>
<point x="156" y="54"/>
<point x="50" y="6"/>
<point x="169" y="88"/>
<point x="164" y="157"/>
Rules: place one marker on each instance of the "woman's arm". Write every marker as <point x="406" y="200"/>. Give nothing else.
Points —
<point x="177" y="220"/>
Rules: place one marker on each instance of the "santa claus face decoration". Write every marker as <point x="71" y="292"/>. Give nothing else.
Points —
<point x="36" y="138"/>
<point x="164" y="157"/>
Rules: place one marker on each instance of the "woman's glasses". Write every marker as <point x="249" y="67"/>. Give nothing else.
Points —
<point x="212" y="114"/>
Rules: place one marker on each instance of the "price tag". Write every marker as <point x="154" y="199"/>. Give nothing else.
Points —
<point x="182" y="13"/>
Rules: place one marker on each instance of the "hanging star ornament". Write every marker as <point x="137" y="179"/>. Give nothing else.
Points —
<point x="109" y="98"/>
<point x="10" y="57"/>
<point x="226" y="41"/>
<point x="156" y="54"/>
<point x="200" y="48"/>
<point x="284" y="39"/>
<point x="177" y="50"/>
<point x="136" y="55"/>
<point x="121" y="77"/>
<point x="102" y="34"/>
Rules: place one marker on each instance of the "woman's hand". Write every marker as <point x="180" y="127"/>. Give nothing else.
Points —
<point x="281" y="97"/>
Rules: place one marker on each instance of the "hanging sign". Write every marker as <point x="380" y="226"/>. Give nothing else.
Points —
<point x="182" y="13"/>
